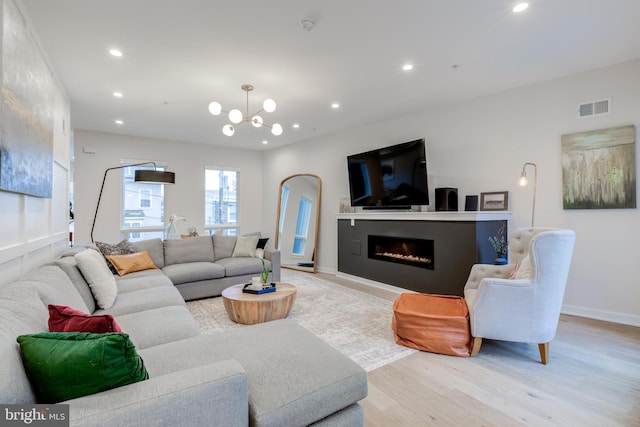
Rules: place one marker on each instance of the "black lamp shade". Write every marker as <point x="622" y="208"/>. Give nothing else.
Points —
<point x="155" y="176"/>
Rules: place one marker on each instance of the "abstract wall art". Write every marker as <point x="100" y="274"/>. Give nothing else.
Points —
<point x="26" y="135"/>
<point x="599" y="169"/>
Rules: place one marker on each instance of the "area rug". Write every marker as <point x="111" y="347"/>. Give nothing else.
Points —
<point x="357" y="324"/>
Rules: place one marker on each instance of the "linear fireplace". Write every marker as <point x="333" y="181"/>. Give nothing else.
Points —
<point x="402" y="250"/>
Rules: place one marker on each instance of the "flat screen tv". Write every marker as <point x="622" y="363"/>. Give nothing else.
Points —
<point x="392" y="177"/>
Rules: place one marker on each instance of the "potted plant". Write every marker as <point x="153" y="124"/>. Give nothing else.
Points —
<point x="501" y="246"/>
<point x="264" y="276"/>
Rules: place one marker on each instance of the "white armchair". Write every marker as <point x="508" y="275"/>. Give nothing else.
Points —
<point x="526" y="307"/>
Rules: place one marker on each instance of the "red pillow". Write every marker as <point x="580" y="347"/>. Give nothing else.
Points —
<point x="67" y="319"/>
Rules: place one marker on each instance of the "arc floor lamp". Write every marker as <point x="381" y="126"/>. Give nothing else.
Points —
<point x="524" y="182"/>
<point x="141" y="175"/>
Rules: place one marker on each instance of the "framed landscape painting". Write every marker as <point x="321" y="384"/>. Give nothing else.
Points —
<point x="495" y="201"/>
<point x="26" y="134"/>
<point x="599" y="169"/>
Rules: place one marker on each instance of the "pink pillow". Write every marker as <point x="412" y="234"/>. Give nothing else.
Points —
<point x="67" y="319"/>
<point x="515" y="270"/>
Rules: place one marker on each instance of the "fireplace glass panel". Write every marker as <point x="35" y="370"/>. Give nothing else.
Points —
<point x="402" y="250"/>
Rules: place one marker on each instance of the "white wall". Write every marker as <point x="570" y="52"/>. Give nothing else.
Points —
<point x="33" y="230"/>
<point x="184" y="198"/>
<point x="480" y="146"/>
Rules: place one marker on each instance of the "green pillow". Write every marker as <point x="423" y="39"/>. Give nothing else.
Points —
<point x="65" y="365"/>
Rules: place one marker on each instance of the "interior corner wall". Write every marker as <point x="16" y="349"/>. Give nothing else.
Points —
<point x="32" y="229"/>
<point x="480" y="146"/>
<point x="184" y="198"/>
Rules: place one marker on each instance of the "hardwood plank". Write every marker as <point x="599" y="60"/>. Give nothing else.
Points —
<point x="592" y="379"/>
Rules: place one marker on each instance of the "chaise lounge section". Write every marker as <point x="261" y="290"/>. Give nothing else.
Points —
<point x="271" y="374"/>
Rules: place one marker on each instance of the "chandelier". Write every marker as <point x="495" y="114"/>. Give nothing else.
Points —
<point x="236" y="117"/>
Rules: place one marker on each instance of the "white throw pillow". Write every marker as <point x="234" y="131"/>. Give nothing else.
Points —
<point x="525" y="271"/>
<point x="101" y="281"/>
<point x="245" y="246"/>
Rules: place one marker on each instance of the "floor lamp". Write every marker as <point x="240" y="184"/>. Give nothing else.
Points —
<point x="141" y="175"/>
<point x="523" y="183"/>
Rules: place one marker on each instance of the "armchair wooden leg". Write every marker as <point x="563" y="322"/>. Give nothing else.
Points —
<point x="477" y="342"/>
<point x="544" y="352"/>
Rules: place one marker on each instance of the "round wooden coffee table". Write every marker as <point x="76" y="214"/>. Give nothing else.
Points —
<point x="249" y="309"/>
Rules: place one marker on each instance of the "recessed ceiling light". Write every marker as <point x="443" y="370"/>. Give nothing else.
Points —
<point x="520" y="7"/>
<point x="407" y="67"/>
<point x="115" y="52"/>
<point x="118" y="94"/>
<point x="265" y="142"/>
<point x="119" y="122"/>
<point x="295" y="126"/>
<point x="335" y="105"/>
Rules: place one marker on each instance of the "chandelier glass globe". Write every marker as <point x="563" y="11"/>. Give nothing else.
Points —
<point x="228" y="130"/>
<point x="257" y="121"/>
<point x="235" y="116"/>
<point x="276" y="129"/>
<point x="269" y="105"/>
<point x="215" y="108"/>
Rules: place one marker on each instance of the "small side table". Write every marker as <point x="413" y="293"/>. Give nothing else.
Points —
<point x="249" y="309"/>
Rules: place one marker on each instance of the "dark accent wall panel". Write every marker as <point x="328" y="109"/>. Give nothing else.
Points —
<point x="457" y="246"/>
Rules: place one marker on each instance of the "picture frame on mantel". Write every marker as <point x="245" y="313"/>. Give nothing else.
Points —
<point x="494" y="201"/>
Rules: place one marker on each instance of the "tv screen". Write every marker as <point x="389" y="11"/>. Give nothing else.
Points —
<point x="391" y="177"/>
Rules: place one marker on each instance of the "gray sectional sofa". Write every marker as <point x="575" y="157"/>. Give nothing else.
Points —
<point x="270" y="374"/>
<point x="201" y="267"/>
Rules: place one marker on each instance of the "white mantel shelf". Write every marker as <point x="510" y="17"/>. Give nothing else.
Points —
<point x="428" y="216"/>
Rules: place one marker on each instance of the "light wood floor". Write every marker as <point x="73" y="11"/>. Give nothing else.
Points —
<point x="592" y="379"/>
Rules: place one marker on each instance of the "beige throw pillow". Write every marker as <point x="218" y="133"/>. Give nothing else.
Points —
<point x="525" y="271"/>
<point x="101" y="281"/>
<point x="130" y="263"/>
<point x="245" y="246"/>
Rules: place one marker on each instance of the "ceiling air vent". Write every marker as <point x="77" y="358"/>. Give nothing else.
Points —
<point x="594" y="108"/>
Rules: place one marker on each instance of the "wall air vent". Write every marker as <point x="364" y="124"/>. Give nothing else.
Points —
<point x="594" y="108"/>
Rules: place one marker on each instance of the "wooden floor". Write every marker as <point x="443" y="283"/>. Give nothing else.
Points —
<point x="592" y="379"/>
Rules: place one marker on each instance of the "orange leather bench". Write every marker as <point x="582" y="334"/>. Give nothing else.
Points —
<point x="433" y="323"/>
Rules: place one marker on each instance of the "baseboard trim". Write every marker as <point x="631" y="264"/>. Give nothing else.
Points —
<point x="373" y="283"/>
<point x="572" y="310"/>
<point x="607" y="316"/>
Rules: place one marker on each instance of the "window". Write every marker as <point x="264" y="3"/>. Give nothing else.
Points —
<point x="133" y="235"/>
<point x="142" y="206"/>
<point x="221" y="201"/>
<point x="145" y="199"/>
<point x="302" y="226"/>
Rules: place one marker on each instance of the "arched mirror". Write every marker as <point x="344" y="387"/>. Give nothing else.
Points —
<point x="297" y="221"/>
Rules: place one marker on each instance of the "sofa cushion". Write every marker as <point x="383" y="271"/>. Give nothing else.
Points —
<point x="154" y="247"/>
<point x="21" y="312"/>
<point x="193" y="249"/>
<point x="69" y="265"/>
<point x="98" y="362"/>
<point x="285" y="387"/>
<point x="242" y="266"/>
<point x="159" y="326"/>
<point x="121" y="248"/>
<point x="223" y="246"/>
<point x="144" y="299"/>
<point x="245" y="246"/>
<point x="66" y="319"/>
<point x="142" y="280"/>
<point x="130" y="263"/>
<point x="193" y="271"/>
<point x="95" y="271"/>
<point x="54" y="287"/>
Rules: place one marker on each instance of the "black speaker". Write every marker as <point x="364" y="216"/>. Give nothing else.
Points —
<point x="471" y="203"/>
<point x="446" y="199"/>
